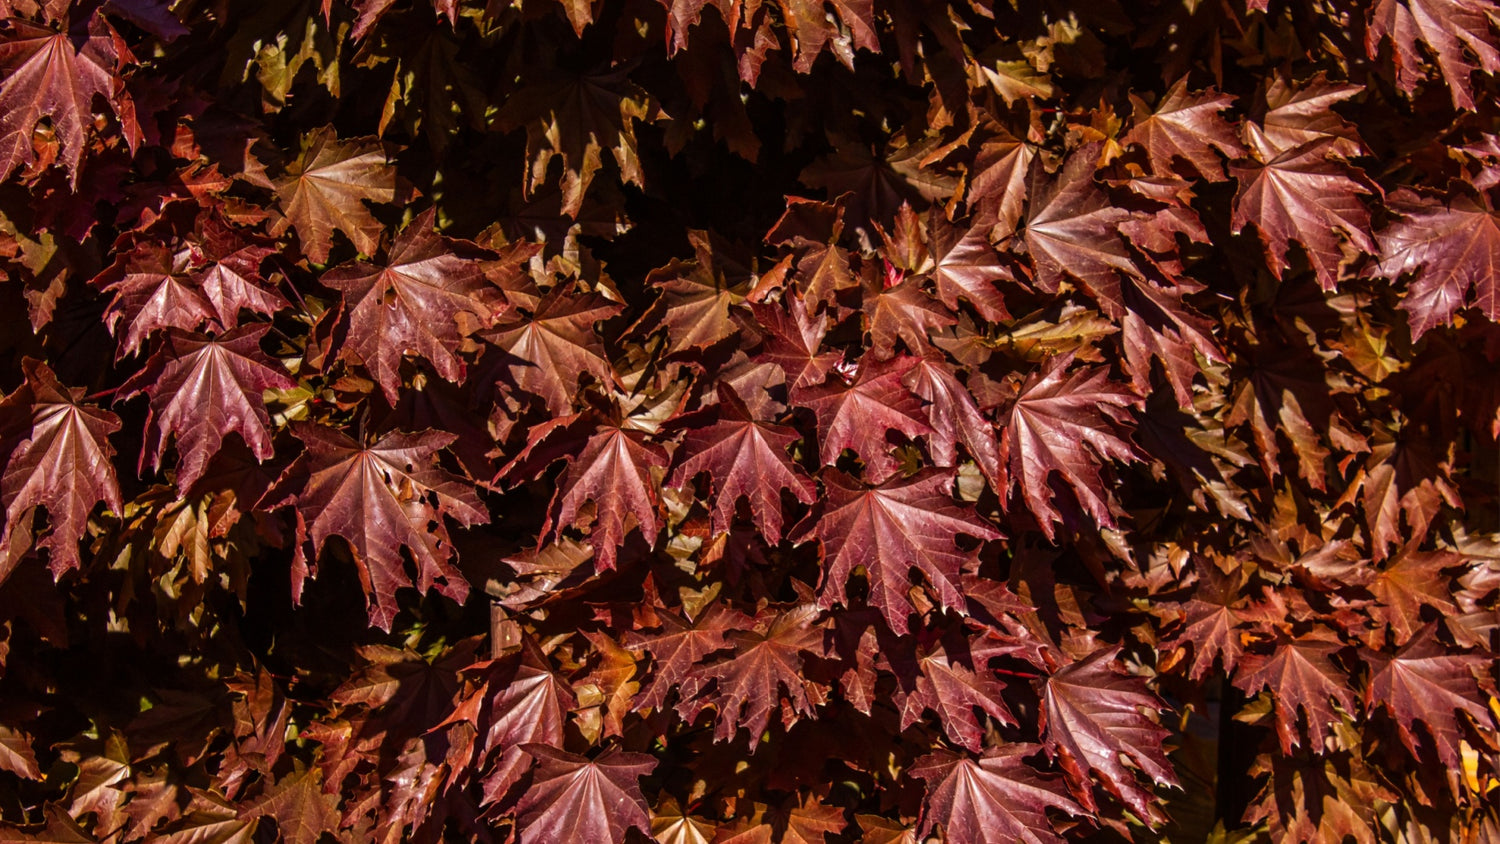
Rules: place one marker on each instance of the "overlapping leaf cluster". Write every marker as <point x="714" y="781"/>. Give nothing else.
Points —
<point x="749" y="421"/>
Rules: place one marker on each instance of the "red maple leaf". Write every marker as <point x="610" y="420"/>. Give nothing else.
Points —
<point x="1072" y="230"/>
<point x="516" y="700"/>
<point x="1186" y="127"/>
<point x="303" y="811"/>
<point x="1425" y="683"/>
<point x="955" y="418"/>
<point x="996" y="798"/>
<point x="746" y="688"/>
<point x="428" y="296"/>
<point x="1305" y="194"/>
<point x="201" y="390"/>
<point x="902" y="311"/>
<point x="1453" y="30"/>
<point x="230" y="277"/>
<point x="744" y="458"/>
<point x="1297" y="113"/>
<point x="325" y="191"/>
<point x="591" y="801"/>
<point x="1091" y="717"/>
<point x="697" y="297"/>
<point x="794" y="341"/>
<point x="1211" y="621"/>
<point x="153" y="292"/>
<point x="1452" y="251"/>
<point x="379" y="498"/>
<point x="556" y="345"/>
<point x="615" y="472"/>
<point x="858" y="415"/>
<point x="51" y="75"/>
<point x="966" y="265"/>
<point x="679" y="646"/>
<point x="59" y="460"/>
<point x="903" y="524"/>
<point x="1301" y="676"/>
<point x="954" y="689"/>
<point x="1066" y="424"/>
<point x="1408" y="581"/>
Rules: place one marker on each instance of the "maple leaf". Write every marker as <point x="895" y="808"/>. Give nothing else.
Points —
<point x="1188" y="127"/>
<point x="52" y="75"/>
<point x="998" y="182"/>
<point x="1454" y="30"/>
<point x="303" y="811"/>
<point x="572" y="798"/>
<point x="888" y="530"/>
<point x="811" y="821"/>
<point x="615" y="472"/>
<point x="1402" y="477"/>
<point x="682" y="15"/>
<point x="858" y="415"/>
<point x="902" y="311"/>
<point x="60" y="462"/>
<point x="1453" y="252"/>
<point x="326" y="188"/>
<point x="1300" y="113"/>
<point x="203" y="389"/>
<point x="811" y="30"/>
<point x="1303" y="194"/>
<point x="953" y="689"/>
<point x="679" y="646"/>
<point x="380" y="498"/>
<point x="1091" y="718"/>
<point x="517" y="700"/>
<point x="794" y="342"/>
<point x="879" y="830"/>
<point x="1313" y="799"/>
<point x="1159" y="324"/>
<point x="966" y="265"/>
<point x="231" y="280"/>
<point x="59" y="828"/>
<point x="575" y="118"/>
<point x="1408" y="581"/>
<point x="744" y="458"/>
<point x="1300" y="676"/>
<point x="823" y="271"/>
<point x="1066" y="424"/>
<point x="745" y="689"/>
<point x="153" y="292"/>
<point x="697" y="296"/>
<point x="1424" y="683"/>
<point x="16" y="754"/>
<point x="671" y="825"/>
<point x="430" y="293"/>
<point x="997" y="798"/>
<point x="1211" y="621"/>
<point x="1072" y="229"/>
<point x="955" y="418"/>
<point x="555" y="346"/>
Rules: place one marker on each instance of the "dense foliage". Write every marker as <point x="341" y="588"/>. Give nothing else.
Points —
<point x="745" y="421"/>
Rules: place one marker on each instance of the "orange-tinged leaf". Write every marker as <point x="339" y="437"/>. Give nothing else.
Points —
<point x="326" y="188"/>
